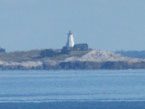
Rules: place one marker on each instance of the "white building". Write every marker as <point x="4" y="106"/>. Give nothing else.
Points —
<point x="70" y="41"/>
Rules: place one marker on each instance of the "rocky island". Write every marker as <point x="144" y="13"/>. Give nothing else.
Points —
<point x="74" y="59"/>
<point x="71" y="56"/>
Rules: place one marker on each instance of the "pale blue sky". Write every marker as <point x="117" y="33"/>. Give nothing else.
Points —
<point x="103" y="24"/>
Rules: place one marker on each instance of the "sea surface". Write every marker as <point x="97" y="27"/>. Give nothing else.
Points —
<point x="72" y="89"/>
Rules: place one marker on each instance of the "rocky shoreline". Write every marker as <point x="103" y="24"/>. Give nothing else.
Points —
<point x="84" y="60"/>
<point x="72" y="66"/>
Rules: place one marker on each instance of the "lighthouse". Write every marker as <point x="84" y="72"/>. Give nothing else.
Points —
<point x="71" y="46"/>
<point x="70" y="40"/>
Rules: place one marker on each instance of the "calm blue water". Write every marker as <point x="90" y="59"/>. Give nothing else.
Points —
<point x="53" y="86"/>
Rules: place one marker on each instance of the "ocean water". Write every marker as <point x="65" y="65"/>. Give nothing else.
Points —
<point x="94" y="89"/>
<point x="72" y="86"/>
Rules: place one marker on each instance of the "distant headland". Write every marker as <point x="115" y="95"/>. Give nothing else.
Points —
<point x="71" y="56"/>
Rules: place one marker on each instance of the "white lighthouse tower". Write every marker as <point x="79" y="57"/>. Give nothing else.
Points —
<point x="70" y="41"/>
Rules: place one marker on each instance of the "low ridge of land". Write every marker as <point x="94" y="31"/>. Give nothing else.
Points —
<point x="47" y="59"/>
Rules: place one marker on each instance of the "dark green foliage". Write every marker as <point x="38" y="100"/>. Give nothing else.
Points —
<point x="77" y="47"/>
<point x="65" y="50"/>
<point x="48" y="53"/>
<point x="2" y="50"/>
<point x="20" y="55"/>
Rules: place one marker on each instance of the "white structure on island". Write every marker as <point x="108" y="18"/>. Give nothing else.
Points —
<point x="70" y="41"/>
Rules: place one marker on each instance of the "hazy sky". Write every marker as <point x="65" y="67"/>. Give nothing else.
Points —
<point x="103" y="24"/>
